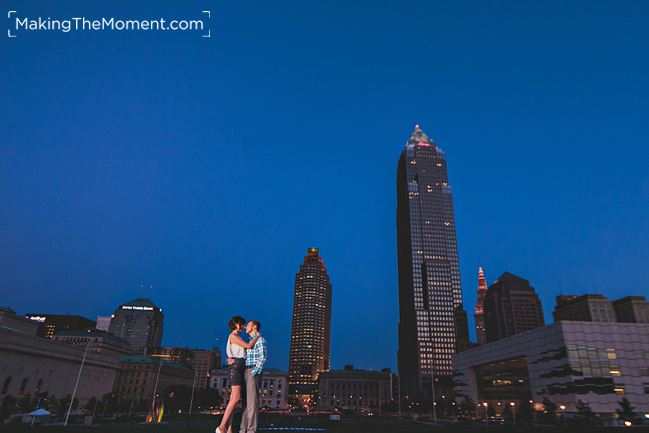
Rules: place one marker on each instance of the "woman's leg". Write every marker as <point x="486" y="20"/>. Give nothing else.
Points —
<point x="234" y="406"/>
<point x="226" y="421"/>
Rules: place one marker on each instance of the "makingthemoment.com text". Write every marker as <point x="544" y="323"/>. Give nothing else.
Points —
<point x="107" y="24"/>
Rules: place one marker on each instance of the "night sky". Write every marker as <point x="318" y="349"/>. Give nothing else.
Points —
<point x="205" y="168"/>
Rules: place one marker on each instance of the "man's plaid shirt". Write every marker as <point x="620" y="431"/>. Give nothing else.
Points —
<point x="256" y="356"/>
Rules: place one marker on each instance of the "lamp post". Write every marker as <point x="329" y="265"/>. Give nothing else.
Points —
<point x="191" y="401"/>
<point x="399" y="390"/>
<point x="533" y="412"/>
<point x="76" y="385"/>
<point x="157" y="378"/>
<point x="513" y="405"/>
<point x="486" y="416"/>
<point x="38" y="404"/>
<point x="563" y="415"/>
<point x="432" y="381"/>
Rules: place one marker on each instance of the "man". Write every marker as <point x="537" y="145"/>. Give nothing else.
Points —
<point x="255" y="360"/>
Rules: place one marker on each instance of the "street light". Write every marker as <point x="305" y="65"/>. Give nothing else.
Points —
<point x="76" y="385"/>
<point x="432" y="381"/>
<point x="513" y="405"/>
<point x="486" y="417"/>
<point x="563" y="416"/>
<point x="533" y="412"/>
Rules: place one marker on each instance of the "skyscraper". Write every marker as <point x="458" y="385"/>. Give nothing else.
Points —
<point x="311" y="329"/>
<point x="480" y="332"/>
<point x="511" y="307"/>
<point x="140" y="323"/>
<point x="633" y="309"/>
<point x="430" y="295"/>
<point x="584" y="308"/>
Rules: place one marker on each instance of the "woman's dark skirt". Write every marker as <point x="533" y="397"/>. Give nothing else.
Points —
<point x="237" y="371"/>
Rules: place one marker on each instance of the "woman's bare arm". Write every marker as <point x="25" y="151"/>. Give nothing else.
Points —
<point x="246" y="344"/>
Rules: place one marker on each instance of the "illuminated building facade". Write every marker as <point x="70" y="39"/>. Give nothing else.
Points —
<point x="50" y="324"/>
<point x="271" y="391"/>
<point x="356" y="390"/>
<point x="310" y="349"/>
<point x="597" y="363"/>
<point x="173" y="355"/>
<point x="140" y="323"/>
<point x="203" y="362"/>
<point x="139" y="376"/>
<point x="103" y="323"/>
<point x="430" y="294"/>
<point x="480" y="332"/>
<point x="511" y="306"/>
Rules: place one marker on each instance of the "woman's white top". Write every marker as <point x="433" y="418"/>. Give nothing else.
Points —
<point x="234" y="350"/>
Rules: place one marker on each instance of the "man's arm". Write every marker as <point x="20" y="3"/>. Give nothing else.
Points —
<point x="260" y="359"/>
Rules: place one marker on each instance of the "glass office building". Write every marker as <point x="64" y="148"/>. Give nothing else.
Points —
<point x="597" y="363"/>
<point x="430" y="295"/>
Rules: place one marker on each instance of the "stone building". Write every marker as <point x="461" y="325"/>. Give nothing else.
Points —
<point x="272" y="387"/>
<point x="359" y="390"/>
<point x="31" y="365"/>
<point x="140" y="377"/>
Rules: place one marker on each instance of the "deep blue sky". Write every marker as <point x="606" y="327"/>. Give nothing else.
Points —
<point x="206" y="167"/>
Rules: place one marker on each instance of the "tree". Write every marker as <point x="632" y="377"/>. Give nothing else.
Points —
<point x="524" y="412"/>
<point x="58" y="406"/>
<point x="90" y="405"/>
<point x="584" y="412"/>
<point x="7" y="405"/>
<point x="124" y="405"/>
<point x="550" y="410"/>
<point x="626" y="412"/>
<point x="466" y="408"/>
<point x="508" y="415"/>
<point x="177" y="398"/>
<point x="51" y="404"/>
<point x="24" y="403"/>
<point x="206" y="398"/>
<point x="108" y="405"/>
<point x="66" y="403"/>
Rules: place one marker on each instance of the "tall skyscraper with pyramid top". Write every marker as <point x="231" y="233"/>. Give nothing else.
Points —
<point x="432" y="320"/>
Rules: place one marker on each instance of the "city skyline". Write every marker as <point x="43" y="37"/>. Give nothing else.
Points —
<point x="205" y="168"/>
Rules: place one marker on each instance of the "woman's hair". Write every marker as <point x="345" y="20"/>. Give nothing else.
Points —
<point x="236" y="320"/>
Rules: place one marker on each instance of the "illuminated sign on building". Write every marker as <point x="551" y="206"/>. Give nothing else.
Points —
<point x="37" y="318"/>
<point x="135" y="307"/>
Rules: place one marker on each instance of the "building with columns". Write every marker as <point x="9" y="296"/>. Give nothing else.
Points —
<point x="33" y="365"/>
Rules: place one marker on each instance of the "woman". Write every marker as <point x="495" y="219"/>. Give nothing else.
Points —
<point x="236" y="350"/>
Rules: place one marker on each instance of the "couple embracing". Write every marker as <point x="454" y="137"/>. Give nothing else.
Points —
<point x="246" y="357"/>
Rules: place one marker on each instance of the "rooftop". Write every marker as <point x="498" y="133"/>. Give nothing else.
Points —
<point x="95" y="333"/>
<point x="141" y="359"/>
<point x="141" y="302"/>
